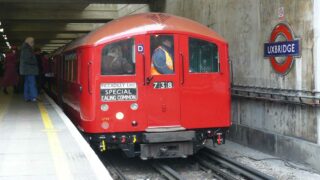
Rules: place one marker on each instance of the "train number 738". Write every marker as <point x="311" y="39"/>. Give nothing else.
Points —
<point x="163" y="85"/>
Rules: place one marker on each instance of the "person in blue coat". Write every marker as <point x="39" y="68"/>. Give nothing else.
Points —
<point x="163" y="58"/>
<point x="29" y="69"/>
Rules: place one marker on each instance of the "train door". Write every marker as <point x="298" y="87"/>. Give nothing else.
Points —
<point x="162" y="82"/>
<point x="205" y="93"/>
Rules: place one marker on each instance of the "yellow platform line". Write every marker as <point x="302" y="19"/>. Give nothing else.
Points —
<point x="58" y="155"/>
<point x="4" y="104"/>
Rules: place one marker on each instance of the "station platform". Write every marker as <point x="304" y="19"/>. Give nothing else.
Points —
<point x="37" y="141"/>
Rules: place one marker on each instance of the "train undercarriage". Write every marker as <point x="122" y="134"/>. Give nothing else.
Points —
<point x="156" y="145"/>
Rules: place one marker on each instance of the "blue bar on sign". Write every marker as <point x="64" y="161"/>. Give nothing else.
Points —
<point x="284" y="48"/>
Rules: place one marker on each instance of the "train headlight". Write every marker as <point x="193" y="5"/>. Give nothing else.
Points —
<point x="134" y="106"/>
<point x="119" y="115"/>
<point x="104" y="125"/>
<point x="104" y="107"/>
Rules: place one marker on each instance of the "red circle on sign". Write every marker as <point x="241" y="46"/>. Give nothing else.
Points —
<point x="281" y="29"/>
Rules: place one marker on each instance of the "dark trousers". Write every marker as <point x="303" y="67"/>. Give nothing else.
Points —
<point x="30" y="87"/>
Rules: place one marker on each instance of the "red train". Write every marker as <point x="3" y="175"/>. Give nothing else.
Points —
<point x="154" y="85"/>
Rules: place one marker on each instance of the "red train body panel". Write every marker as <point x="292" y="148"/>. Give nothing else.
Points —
<point x="138" y="108"/>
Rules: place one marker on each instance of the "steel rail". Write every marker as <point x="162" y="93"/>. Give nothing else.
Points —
<point x="215" y="168"/>
<point x="116" y="171"/>
<point x="235" y="166"/>
<point x="167" y="171"/>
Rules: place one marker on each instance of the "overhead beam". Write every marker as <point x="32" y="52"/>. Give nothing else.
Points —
<point x="58" y="41"/>
<point x="58" y="20"/>
<point x="53" y="27"/>
<point x="54" y="45"/>
<point x="57" y="14"/>
<point x="43" y="41"/>
<point x="47" y="49"/>
<point x="47" y="40"/>
<point x="80" y="1"/>
<point x="66" y="6"/>
<point x="45" y="35"/>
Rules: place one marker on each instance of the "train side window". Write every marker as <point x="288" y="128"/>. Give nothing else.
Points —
<point x="118" y="58"/>
<point x="71" y="67"/>
<point x="162" y="54"/>
<point x="75" y="69"/>
<point x="203" y="56"/>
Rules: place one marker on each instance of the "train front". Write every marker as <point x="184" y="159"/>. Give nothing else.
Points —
<point x="161" y="85"/>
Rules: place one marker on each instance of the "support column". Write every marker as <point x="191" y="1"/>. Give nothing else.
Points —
<point x="316" y="56"/>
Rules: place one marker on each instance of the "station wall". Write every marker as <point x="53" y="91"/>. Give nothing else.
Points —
<point x="284" y="129"/>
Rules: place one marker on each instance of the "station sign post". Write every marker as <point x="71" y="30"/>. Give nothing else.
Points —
<point x="282" y="43"/>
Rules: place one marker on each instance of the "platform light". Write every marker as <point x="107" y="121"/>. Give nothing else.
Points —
<point x="8" y="44"/>
<point x="4" y="55"/>
<point x="1" y="29"/>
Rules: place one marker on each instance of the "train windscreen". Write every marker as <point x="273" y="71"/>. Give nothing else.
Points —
<point x="118" y="58"/>
<point x="203" y="56"/>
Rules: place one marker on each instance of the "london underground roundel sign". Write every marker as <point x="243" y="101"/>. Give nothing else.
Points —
<point x="282" y="48"/>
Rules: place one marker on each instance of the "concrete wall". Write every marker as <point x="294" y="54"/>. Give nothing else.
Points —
<point x="316" y="54"/>
<point x="247" y="25"/>
<point x="126" y="9"/>
<point x="286" y="130"/>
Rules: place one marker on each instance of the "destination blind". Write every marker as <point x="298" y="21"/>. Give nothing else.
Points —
<point x="118" y="92"/>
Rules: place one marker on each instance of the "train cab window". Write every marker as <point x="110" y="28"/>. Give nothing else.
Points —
<point x="203" y="56"/>
<point x="118" y="58"/>
<point x="162" y="54"/>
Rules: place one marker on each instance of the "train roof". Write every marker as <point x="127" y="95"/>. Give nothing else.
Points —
<point x="142" y="24"/>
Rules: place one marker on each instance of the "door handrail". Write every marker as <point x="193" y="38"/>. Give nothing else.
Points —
<point x="89" y="77"/>
<point x="182" y="68"/>
<point x="144" y="69"/>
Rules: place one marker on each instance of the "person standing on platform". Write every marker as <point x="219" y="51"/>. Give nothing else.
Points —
<point x="10" y="73"/>
<point x="29" y="69"/>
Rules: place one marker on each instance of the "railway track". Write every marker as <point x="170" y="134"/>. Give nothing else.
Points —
<point x="235" y="170"/>
<point x="210" y="165"/>
<point x="167" y="171"/>
<point x="114" y="170"/>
